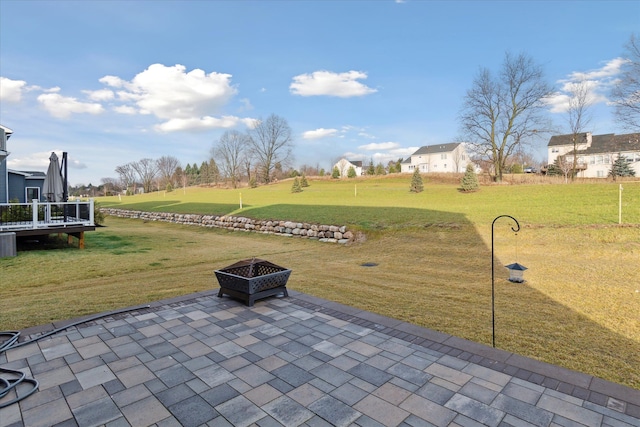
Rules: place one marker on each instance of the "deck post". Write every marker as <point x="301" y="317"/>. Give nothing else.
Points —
<point x="34" y="213"/>
<point x="91" y="211"/>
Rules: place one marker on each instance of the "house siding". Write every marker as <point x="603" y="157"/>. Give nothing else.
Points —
<point x="4" y="185"/>
<point x="451" y="157"/>
<point x="597" y="152"/>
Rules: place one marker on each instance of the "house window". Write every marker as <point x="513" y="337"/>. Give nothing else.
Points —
<point x="443" y="156"/>
<point x="607" y="159"/>
<point x="600" y="174"/>
<point x="32" y="193"/>
<point x="445" y="165"/>
<point x="599" y="160"/>
<point x="555" y="150"/>
<point x="592" y="160"/>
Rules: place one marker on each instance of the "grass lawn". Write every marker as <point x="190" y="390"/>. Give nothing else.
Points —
<point x="579" y="307"/>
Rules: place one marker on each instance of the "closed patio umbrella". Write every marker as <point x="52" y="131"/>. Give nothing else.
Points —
<point x="53" y="189"/>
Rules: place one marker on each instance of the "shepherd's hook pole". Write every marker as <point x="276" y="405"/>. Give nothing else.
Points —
<point x="493" y="299"/>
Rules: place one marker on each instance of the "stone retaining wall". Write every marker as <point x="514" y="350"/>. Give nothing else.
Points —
<point x="323" y="233"/>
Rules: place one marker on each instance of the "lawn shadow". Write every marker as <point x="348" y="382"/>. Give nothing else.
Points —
<point x="439" y="259"/>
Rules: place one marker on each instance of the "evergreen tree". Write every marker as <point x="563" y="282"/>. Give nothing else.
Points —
<point x="351" y="173"/>
<point x="469" y="181"/>
<point x="380" y="169"/>
<point x="621" y="167"/>
<point x="371" y="169"/>
<point x="416" y="182"/>
<point x="252" y="182"/>
<point x="303" y="181"/>
<point x="321" y="173"/>
<point x="296" y="188"/>
<point x="335" y="174"/>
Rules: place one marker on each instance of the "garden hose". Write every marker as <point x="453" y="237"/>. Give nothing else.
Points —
<point x="18" y="378"/>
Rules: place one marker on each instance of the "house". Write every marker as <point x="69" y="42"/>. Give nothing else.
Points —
<point x="595" y="153"/>
<point x="23" y="186"/>
<point x="343" y="166"/>
<point x="450" y="157"/>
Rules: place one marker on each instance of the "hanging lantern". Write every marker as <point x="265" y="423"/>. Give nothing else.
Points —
<point x="516" y="272"/>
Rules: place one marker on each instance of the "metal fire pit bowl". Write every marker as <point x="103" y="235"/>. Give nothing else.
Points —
<point x="252" y="279"/>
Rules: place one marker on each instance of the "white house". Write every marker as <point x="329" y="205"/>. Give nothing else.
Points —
<point x="596" y="153"/>
<point x="343" y="166"/>
<point x="450" y="157"/>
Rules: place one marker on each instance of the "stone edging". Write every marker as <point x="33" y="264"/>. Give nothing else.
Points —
<point x="322" y="233"/>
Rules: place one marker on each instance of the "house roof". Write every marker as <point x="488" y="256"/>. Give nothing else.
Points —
<point x="607" y="143"/>
<point x="356" y="163"/>
<point x="6" y="130"/>
<point x="437" y="148"/>
<point x="28" y="174"/>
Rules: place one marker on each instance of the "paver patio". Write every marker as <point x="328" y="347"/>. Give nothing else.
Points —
<point x="200" y="360"/>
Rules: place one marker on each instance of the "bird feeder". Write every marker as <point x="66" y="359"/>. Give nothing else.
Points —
<point x="516" y="272"/>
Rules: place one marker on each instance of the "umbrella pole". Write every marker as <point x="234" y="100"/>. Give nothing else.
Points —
<point x="65" y="191"/>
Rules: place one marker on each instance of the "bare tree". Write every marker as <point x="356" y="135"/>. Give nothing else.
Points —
<point x="147" y="171"/>
<point x="166" y="166"/>
<point x="272" y="143"/>
<point x="127" y="176"/>
<point x="626" y="93"/>
<point x="230" y="150"/>
<point x="110" y="185"/>
<point x="578" y="117"/>
<point x="502" y="113"/>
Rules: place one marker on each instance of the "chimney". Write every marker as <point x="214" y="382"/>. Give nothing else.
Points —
<point x="588" y="139"/>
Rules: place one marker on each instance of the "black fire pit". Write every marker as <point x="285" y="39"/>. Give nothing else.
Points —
<point x="252" y="279"/>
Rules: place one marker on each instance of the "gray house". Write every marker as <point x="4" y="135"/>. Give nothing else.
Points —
<point x="23" y="186"/>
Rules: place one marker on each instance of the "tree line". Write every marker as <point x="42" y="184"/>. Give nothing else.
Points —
<point x="260" y="155"/>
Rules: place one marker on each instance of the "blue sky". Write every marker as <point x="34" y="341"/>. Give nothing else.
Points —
<point x="112" y="82"/>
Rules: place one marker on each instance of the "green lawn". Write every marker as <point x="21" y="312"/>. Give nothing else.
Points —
<point x="579" y="307"/>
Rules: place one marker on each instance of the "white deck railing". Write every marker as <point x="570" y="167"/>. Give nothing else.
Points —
<point x="43" y="215"/>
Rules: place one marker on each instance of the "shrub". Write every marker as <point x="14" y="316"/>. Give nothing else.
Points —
<point x="303" y="181"/>
<point x="469" y="182"/>
<point x="296" y="188"/>
<point x="351" y="173"/>
<point x="335" y="174"/>
<point x="98" y="216"/>
<point x="416" y="182"/>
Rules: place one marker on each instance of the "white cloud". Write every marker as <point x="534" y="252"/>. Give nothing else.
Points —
<point x="99" y="95"/>
<point x="125" y="109"/>
<point x="11" y="90"/>
<point x="610" y="69"/>
<point x="379" y="146"/>
<point x="342" y="85"/>
<point x="246" y="104"/>
<point x="184" y="100"/>
<point x="40" y="161"/>
<point x="202" y="123"/>
<point x="319" y="133"/>
<point x="598" y="83"/>
<point x="63" y="106"/>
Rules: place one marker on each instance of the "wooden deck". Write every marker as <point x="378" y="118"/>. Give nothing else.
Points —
<point x="76" y="231"/>
<point x="42" y="219"/>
